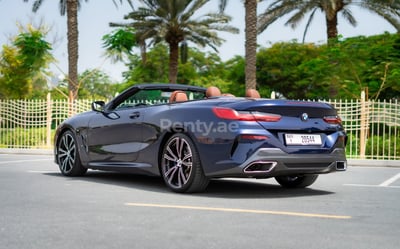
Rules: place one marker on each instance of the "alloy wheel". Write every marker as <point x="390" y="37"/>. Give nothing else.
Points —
<point x="178" y="162"/>
<point x="68" y="156"/>
<point x="181" y="166"/>
<point x="66" y="153"/>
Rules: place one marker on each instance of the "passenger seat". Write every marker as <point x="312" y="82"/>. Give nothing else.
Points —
<point x="178" y="96"/>
<point x="213" y="91"/>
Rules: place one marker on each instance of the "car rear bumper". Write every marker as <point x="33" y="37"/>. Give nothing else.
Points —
<point x="271" y="162"/>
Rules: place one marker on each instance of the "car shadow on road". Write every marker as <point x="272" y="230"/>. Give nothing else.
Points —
<point x="218" y="188"/>
<point x="144" y="182"/>
<point x="237" y="188"/>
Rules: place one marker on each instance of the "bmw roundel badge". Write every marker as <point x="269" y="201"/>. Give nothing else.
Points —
<point x="304" y="117"/>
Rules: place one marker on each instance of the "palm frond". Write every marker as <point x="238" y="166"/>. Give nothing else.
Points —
<point x="387" y="9"/>
<point x="309" y="21"/>
<point x="275" y="11"/>
<point x="347" y="15"/>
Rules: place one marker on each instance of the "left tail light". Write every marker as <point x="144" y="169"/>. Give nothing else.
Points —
<point x="231" y="114"/>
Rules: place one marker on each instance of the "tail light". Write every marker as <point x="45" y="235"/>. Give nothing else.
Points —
<point x="230" y="114"/>
<point x="253" y="137"/>
<point x="333" y="120"/>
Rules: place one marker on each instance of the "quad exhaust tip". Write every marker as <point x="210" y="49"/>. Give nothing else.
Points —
<point x="260" y="167"/>
<point x="341" y="166"/>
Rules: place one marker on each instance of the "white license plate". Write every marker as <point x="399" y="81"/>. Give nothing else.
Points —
<point x="302" y="139"/>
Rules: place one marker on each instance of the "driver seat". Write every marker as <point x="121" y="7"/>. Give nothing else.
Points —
<point x="252" y="93"/>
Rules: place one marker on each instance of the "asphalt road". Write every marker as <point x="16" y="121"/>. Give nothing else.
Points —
<point x="40" y="208"/>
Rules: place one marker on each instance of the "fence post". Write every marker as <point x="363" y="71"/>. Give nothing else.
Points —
<point x="363" y="126"/>
<point x="48" y="121"/>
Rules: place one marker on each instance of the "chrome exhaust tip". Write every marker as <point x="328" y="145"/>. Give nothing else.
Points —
<point x="341" y="166"/>
<point x="260" y="167"/>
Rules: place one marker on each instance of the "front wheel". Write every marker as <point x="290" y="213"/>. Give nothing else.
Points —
<point x="181" y="167"/>
<point x="68" y="156"/>
<point x="296" y="181"/>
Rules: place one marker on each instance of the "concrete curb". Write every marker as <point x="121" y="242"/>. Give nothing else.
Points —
<point x="373" y="163"/>
<point x="350" y="162"/>
<point x="27" y="151"/>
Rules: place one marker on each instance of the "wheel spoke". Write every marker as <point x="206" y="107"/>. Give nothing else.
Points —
<point x="65" y="142"/>
<point x="178" y="145"/>
<point x="170" y="174"/>
<point x="64" y="164"/>
<point x="71" y="160"/>
<point x="187" y="164"/>
<point x="187" y="156"/>
<point x="61" y="152"/>
<point x="182" y="177"/>
<point x="68" y="165"/>
<point x="71" y="145"/>
<point x="171" y="156"/>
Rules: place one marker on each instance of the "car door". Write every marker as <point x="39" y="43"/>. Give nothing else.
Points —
<point x="115" y="137"/>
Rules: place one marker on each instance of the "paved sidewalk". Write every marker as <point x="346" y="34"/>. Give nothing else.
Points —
<point x="351" y="162"/>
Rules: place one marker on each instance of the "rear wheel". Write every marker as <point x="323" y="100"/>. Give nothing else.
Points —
<point x="181" y="167"/>
<point x="68" y="156"/>
<point x="296" y="181"/>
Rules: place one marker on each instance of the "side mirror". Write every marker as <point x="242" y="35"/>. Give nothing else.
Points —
<point x="98" y="106"/>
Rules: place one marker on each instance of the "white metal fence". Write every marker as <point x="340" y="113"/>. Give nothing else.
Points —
<point x="373" y="127"/>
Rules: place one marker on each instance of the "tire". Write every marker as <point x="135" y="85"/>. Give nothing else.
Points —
<point x="68" y="158"/>
<point x="181" y="167"/>
<point x="296" y="181"/>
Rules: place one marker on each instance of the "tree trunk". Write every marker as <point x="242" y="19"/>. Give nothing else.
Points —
<point x="72" y="33"/>
<point x="331" y="28"/>
<point x="251" y="43"/>
<point x="173" y="61"/>
<point x="143" y="53"/>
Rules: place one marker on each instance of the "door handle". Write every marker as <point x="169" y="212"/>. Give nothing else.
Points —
<point x="134" y="115"/>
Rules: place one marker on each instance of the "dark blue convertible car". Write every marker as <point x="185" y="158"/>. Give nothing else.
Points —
<point x="189" y="135"/>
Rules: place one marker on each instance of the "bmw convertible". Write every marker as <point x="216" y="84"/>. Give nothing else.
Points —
<point x="189" y="135"/>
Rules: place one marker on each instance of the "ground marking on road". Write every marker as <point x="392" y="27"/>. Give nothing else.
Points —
<point x="390" y="180"/>
<point x="24" y="161"/>
<point x="238" y="210"/>
<point x="369" y="186"/>
<point x="385" y="184"/>
<point x="43" y="171"/>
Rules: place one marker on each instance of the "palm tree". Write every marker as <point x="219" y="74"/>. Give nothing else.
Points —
<point x="173" y="22"/>
<point x="251" y="43"/>
<point x="388" y="9"/>
<point x="250" y="40"/>
<point x="70" y="7"/>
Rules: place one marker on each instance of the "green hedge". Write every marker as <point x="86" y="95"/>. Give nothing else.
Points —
<point x="24" y="138"/>
<point x="378" y="147"/>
